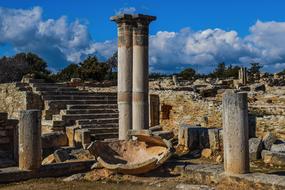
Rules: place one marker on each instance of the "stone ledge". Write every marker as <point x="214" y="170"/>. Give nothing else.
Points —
<point x="13" y="174"/>
<point x="214" y="175"/>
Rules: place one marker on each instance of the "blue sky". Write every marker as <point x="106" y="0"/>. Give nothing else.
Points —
<point x="187" y="33"/>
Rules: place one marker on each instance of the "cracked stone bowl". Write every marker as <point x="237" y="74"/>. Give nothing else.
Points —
<point x="138" y="156"/>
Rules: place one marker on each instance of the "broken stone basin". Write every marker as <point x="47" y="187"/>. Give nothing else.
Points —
<point x="132" y="156"/>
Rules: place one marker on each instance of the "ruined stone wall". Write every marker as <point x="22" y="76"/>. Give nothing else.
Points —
<point x="182" y="107"/>
<point x="12" y="100"/>
<point x="8" y="138"/>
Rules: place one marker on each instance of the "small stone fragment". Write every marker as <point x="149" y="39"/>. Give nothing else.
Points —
<point x="268" y="140"/>
<point x="219" y="159"/>
<point x="273" y="158"/>
<point x="49" y="160"/>
<point x="206" y="153"/>
<point x="278" y="147"/>
<point x="74" y="177"/>
<point x="255" y="148"/>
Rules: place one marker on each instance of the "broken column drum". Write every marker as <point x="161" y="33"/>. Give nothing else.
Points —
<point x="243" y="75"/>
<point x="30" y="147"/>
<point x="140" y="71"/>
<point x="125" y="60"/>
<point x="235" y="129"/>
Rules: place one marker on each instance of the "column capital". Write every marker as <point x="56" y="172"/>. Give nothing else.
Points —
<point x="122" y="18"/>
<point x="143" y="19"/>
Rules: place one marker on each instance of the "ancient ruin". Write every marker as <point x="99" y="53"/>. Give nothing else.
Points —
<point x="222" y="133"/>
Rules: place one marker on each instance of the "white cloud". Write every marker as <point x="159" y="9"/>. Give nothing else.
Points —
<point x="56" y="40"/>
<point x="171" y="51"/>
<point x="126" y="10"/>
<point x="60" y="41"/>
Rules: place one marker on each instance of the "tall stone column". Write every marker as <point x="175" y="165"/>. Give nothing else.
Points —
<point x="125" y="68"/>
<point x="30" y="146"/>
<point x="235" y="129"/>
<point x="140" y="71"/>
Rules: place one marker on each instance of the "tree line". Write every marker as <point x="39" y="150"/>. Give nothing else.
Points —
<point x="13" y="68"/>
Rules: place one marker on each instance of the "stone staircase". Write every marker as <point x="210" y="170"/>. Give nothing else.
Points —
<point x="66" y="106"/>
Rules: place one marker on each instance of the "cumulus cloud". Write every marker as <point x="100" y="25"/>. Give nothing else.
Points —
<point x="173" y="51"/>
<point x="57" y="40"/>
<point x="60" y="42"/>
<point x="126" y="10"/>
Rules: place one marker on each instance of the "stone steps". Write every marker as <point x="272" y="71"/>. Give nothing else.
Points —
<point x="78" y="97"/>
<point x="97" y="121"/>
<point x="68" y="106"/>
<point x="103" y="130"/>
<point x="70" y="119"/>
<point x="56" y="89"/>
<point x="91" y="126"/>
<point x="89" y="116"/>
<point x="53" y="107"/>
<point x="81" y="92"/>
<point x="48" y="85"/>
<point x="88" y="111"/>
<point x="102" y="136"/>
<point x="92" y="106"/>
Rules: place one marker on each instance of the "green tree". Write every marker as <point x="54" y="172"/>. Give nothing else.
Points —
<point x="219" y="72"/>
<point x="255" y="68"/>
<point x="187" y="74"/>
<point x="71" y="71"/>
<point x="112" y="64"/>
<point x="14" y="68"/>
<point x="92" y="69"/>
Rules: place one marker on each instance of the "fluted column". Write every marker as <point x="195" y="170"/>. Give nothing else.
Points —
<point x="140" y="71"/>
<point x="125" y="65"/>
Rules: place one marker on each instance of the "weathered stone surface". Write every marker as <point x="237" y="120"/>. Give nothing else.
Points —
<point x="61" y="155"/>
<point x="255" y="148"/>
<point x="30" y="146"/>
<point x="278" y="147"/>
<point x="183" y="186"/>
<point x="257" y="87"/>
<point x="274" y="158"/>
<point x="54" y="139"/>
<point x="235" y="132"/>
<point x="268" y="140"/>
<point x="194" y="137"/>
<point x="74" y="177"/>
<point x="206" y="153"/>
<point x="13" y="100"/>
<point x="49" y="159"/>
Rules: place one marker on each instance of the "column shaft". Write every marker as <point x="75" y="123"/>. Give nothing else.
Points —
<point x="140" y="72"/>
<point x="125" y="60"/>
<point x="235" y="129"/>
<point x="30" y="146"/>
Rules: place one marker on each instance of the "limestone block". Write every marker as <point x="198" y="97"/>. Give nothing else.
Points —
<point x="257" y="87"/>
<point x="255" y="148"/>
<point x="49" y="160"/>
<point x="268" y="140"/>
<point x="70" y="132"/>
<point x="54" y="139"/>
<point x="61" y="155"/>
<point x="278" y="148"/>
<point x="206" y="153"/>
<point x="215" y="139"/>
<point x="194" y="137"/>
<point x="274" y="158"/>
